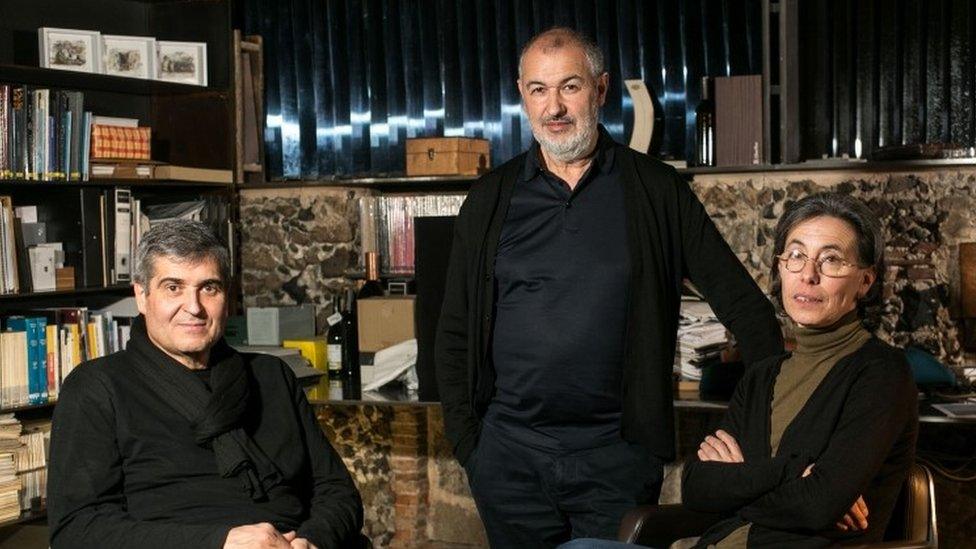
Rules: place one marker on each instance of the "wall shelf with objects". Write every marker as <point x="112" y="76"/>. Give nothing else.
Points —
<point x="55" y="78"/>
<point x="838" y="165"/>
<point x="393" y="183"/>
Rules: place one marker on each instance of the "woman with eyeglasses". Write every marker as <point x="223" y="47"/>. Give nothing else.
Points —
<point x="817" y="442"/>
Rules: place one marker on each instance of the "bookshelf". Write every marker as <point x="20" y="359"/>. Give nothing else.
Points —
<point x="192" y="125"/>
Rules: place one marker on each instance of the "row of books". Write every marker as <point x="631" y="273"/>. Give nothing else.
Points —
<point x="111" y="223"/>
<point x="44" y="134"/>
<point x="39" y="349"/>
<point x="387" y="225"/>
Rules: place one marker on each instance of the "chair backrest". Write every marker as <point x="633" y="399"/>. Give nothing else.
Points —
<point x="914" y="517"/>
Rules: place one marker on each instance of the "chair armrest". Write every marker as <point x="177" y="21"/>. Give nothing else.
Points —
<point x="662" y="525"/>
<point x="892" y="545"/>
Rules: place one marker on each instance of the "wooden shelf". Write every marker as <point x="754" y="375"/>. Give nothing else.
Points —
<point x="84" y="81"/>
<point x="836" y="165"/>
<point x="26" y="516"/>
<point x="29" y="407"/>
<point x="115" y="182"/>
<point x="67" y="293"/>
<point x="392" y="182"/>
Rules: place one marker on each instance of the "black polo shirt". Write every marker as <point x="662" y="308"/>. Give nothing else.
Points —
<point x="561" y="273"/>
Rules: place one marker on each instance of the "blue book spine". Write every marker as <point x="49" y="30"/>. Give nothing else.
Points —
<point x="42" y="378"/>
<point x="33" y="385"/>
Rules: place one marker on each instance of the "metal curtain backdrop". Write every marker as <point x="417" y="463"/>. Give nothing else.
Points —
<point x="348" y="81"/>
<point x="886" y="72"/>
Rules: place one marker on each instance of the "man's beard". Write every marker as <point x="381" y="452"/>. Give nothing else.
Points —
<point x="575" y="146"/>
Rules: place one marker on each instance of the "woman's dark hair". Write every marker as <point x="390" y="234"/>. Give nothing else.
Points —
<point x="867" y="229"/>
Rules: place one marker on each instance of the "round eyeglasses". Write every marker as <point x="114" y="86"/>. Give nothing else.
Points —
<point x="828" y="265"/>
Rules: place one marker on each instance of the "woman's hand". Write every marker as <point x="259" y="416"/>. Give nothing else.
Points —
<point x="720" y="447"/>
<point x="856" y="518"/>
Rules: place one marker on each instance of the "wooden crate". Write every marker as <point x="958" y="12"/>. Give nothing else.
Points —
<point x="448" y="156"/>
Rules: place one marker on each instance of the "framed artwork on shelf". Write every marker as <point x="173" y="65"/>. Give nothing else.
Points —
<point x="184" y="62"/>
<point x="69" y="49"/>
<point x="132" y="56"/>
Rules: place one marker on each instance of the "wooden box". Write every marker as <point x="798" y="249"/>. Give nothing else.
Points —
<point x="448" y="156"/>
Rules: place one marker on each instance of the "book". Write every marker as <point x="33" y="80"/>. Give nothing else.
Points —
<point x="115" y="121"/>
<point x="91" y="233"/>
<point x="13" y="369"/>
<point x="5" y="124"/>
<point x="111" y="142"/>
<point x="186" y="173"/>
<point x="36" y="339"/>
<point x="121" y="169"/>
<point x="9" y="278"/>
<point x="122" y="255"/>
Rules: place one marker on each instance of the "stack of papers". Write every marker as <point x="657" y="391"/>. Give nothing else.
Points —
<point x="700" y="337"/>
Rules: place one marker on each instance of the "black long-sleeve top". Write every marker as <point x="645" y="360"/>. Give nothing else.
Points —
<point x="669" y="237"/>
<point x="859" y="429"/>
<point x="125" y="471"/>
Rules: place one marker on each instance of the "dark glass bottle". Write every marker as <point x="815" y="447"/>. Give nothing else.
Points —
<point x="705" y="126"/>
<point x="335" y="339"/>
<point x="373" y="287"/>
<point x="350" y="344"/>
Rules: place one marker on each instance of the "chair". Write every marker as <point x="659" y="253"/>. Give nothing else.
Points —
<point x="913" y="523"/>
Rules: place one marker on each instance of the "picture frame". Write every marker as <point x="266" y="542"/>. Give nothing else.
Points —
<point x="129" y="56"/>
<point x="69" y="49"/>
<point x="184" y="62"/>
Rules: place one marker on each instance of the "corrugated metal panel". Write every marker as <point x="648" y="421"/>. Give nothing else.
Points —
<point x="349" y="80"/>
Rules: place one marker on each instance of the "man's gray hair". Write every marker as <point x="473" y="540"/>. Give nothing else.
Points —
<point x="190" y="241"/>
<point x="559" y="37"/>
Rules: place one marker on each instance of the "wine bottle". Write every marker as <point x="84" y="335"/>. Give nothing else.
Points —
<point x="350" y="333"/>
<point x="705" y="127"/>
<point x="335" y="339"/>
<point x="373" y="287"/>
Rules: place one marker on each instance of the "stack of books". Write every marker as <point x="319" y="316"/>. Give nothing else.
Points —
<point x="31" y="462"/>
<point x="701" y="337"/>
<point x="9" y="483"/>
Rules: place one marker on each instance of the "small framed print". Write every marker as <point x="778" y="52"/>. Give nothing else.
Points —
<point x="184" y="62"/>
<point x="69" y="49"/>
<point x="132" y="56"/>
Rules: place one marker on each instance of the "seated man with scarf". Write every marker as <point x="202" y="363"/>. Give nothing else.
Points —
<point x="181" y="441"/>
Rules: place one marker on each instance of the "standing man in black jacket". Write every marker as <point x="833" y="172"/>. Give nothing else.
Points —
<point x="557" y="333"/>
<point x="181" y="441"/>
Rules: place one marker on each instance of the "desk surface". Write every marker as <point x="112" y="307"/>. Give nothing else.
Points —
<point x="397" y="395"/>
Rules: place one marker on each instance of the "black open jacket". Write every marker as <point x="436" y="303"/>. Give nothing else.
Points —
<point x="858" y="427"/>
<point x="670" y="237"/>
<point x="125" y="470"/>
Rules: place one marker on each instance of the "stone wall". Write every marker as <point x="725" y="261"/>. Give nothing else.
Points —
<point x="925" y="214"/>
<point x="296" y="245"/>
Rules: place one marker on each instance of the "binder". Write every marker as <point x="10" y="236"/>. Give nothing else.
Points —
<point x="92" y="268"/>
<point x="122" y="269"/>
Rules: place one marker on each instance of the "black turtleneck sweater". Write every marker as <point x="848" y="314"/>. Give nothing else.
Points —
<point x="842" y="401"/>
<point x="125" y="470"/>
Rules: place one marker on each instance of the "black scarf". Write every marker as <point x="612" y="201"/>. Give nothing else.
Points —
<point x="215" y="415"/>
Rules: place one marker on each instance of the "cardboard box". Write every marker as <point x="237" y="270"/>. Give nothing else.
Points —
<point x="448" y="156"/>
<point x="271" y="325"/>
<point x="384" y="321"/>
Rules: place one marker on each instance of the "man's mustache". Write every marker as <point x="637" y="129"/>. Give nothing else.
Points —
<point x="563" y="119"/>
